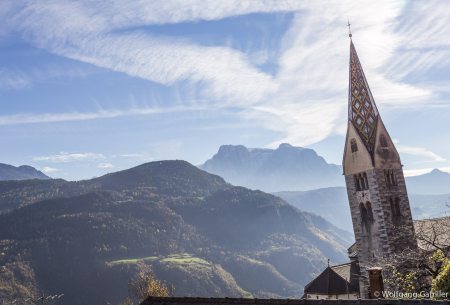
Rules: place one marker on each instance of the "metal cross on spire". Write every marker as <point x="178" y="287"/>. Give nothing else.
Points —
<point x="349" y="29"/>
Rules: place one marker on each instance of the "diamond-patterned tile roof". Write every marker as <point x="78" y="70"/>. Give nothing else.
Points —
<point x="363" y="112"/>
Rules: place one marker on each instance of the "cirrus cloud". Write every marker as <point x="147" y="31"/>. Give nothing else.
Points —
<point x="65" y="157"/>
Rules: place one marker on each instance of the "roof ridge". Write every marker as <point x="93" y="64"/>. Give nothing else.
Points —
<point x="349" y="263"/>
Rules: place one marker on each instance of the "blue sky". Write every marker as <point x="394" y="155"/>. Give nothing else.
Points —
<point x="92" y="87"/>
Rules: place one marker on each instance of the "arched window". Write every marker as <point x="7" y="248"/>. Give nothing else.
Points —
<point x="391" y="203"/>
<point x="383" y="141"/>
<point x="353" y="145"/>
<point x="395" y="208"/>
<point x="366" y="182"/>
<point x="398" y="212"/>
<point x="361" y="182"/>
<point x="387" y="177"/>
<point x="366" y="214"/>
<point x="363" y="212"/>
<point x="369" y="211"/>
<point x="390" y="178"/>
<point x="357" y="185"/>
<point x="393" y="178"/>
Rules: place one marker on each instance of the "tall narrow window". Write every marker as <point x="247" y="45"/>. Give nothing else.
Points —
<point x="357" y="185"/>
<point x="398" y="212"/>
<point x="395" y="208"/>
<point x="363" y="212"/>
<point x="362" y="181"/>
<point x="383" y="141"/>
<point x="393" y="178"/>
<point x="390" y="178"/>
<point x="353" y="145"/>
<point x="391" y="203"/>
<point x="369" y="211"/>
<point x="387" y="177"/>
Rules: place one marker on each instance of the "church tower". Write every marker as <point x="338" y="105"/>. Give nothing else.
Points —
<point x="377" y="195"/>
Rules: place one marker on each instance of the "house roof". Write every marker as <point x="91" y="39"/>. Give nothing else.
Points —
<point x="339" y="279"/>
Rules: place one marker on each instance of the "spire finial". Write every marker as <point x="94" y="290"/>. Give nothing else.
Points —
<point x="349" y="29"/>
<point x="328" y="262"/>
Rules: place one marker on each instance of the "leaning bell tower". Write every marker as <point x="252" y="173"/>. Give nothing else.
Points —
<point x="377" y="195"/>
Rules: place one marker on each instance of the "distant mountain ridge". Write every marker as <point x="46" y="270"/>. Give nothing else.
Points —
<point x="290" y="168"/>
<point x="205" y="236"/>
<point x="23" y="172"/>
<point x="433" y="183"/>
<point x="271" y="170"/>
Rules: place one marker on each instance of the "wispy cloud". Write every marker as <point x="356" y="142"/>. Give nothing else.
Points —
<point x="20" y="78"/>
<point x="422" y="171"/>
<point x="422" y="30"/>
<point x="49" y="170"/>
<point x="421" y="152"/>
<point x="85" y="31"/>
<point x="105" y="165"/>
<point x="304" y="101"/>
<point x="65" y="157"/>
<point x="311" y="99"/>
<point x="13" y="80"/>
<point x="31" y="118"/>
<point x="139" y="156"/>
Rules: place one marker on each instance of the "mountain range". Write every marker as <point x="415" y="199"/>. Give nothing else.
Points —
<point x="200" y="233"/>
<point x="434" y="183"/>
<point x="271" y="170"/>
<point x="205" y="236"/>
<point x="290" y="168"/>
<point x="23" y="172"/>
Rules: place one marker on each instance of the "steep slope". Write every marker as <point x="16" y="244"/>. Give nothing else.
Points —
<point x="330" y="203"/>
<point x="285" y="168"/>
<point x="23" y="172"/>
<point x="199" y="233"/>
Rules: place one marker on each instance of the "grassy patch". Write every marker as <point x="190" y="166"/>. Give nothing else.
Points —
<point x="184" y="259"/>
<point x="133" y="260"/>
<point x="179" y="259"/>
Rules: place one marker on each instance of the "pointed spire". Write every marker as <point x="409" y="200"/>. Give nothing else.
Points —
<point x="362" y="111"/>
<point x="349" y="29"/>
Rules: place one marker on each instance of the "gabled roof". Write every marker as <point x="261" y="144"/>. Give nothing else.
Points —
<point x="331" y="281"/>
<point x="350" y="272"/>
<point x="362" y="111"/>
